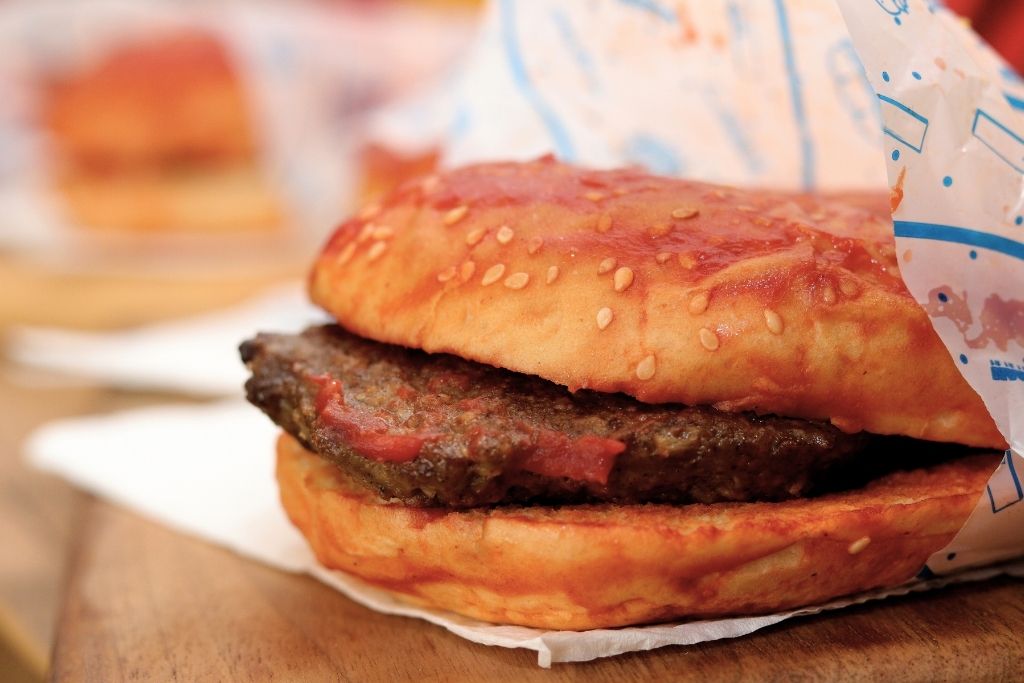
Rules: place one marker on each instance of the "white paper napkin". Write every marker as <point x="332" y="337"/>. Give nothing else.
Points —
<point x="197" y="355"/>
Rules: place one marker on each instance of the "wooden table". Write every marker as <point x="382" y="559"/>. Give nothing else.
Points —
<point x="117" y="598"/>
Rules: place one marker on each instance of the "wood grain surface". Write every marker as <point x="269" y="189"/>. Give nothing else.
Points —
<point x="41" y="514"/>
<point x="38" y="513"/>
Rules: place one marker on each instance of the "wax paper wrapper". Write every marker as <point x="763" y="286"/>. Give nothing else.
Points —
<point x="304" y="67"/>
<point x="598" y="83"/>
<point x="953" y="117"/>
<point x="765" y="93"/>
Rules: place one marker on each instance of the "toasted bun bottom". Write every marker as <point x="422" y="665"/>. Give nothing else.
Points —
<point x="233" y="198"/>
<point x="594" y="566"/>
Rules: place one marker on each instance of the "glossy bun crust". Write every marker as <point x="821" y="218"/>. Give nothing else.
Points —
<point x="667" y="290"/>
<point x="605" y="566"/>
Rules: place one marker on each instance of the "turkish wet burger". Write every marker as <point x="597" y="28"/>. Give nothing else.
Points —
<point x="572" y="399"/>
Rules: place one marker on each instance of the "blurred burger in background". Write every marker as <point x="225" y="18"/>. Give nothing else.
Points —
<point x="158" y="135"/>
<point x="171" y="159"/>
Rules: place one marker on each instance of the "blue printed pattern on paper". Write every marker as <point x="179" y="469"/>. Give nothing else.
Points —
<point x="894" y="8"/>
<point x="949" y="233"/>
<point x="853" y="90"/>
<point x="903" y="123"/>
<point x="1004" y="371"/>
<point x="556" y="128"/>
<point x="1004" y="488"/>
<point x="998" y="137"/>
<point x="653" y="154"/>
<point x="796" y="98"/>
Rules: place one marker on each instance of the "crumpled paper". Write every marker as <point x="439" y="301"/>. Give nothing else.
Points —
<point x="763" y="93"/>
<point x="221" y="488"/>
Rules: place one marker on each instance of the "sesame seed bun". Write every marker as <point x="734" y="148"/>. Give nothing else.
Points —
<point x="667" y="290"/>
<point x="604" y="566"/>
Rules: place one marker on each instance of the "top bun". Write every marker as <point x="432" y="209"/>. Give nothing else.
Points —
<point x="667" y="290"/>
<point x="174" y="98"/>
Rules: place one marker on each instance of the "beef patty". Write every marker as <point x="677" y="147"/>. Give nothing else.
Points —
<point x="437" y="430"/>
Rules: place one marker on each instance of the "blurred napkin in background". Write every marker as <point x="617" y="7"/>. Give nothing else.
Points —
<point x="197" y="355"/>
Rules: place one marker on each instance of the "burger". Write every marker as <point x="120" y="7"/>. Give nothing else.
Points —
<point x="157" y="135"/>
<point x="571" y="399"/>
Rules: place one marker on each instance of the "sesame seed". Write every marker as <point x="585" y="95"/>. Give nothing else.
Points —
<point x="466" y="270"/>
<point x="698" y="303"/>
<point x="849" y="288"/>
<point x="504" y="234"/>
<point x="474" y="236"/>
<point x="606" y="266"/>
<point x="708" y="339"/>
<point x="366" y="233"/>
<point x="685" y="212"/>
<point x="819" y="216"/>
<point x="746" y="208"/>
<point x="446" y="274"/>
<point x="455" y="215"/>
<point x="763" y="222"/>
<point x="604" y="318"/>
<point x="659" y="230"/>
<point x="623" y="279"/>
<point x="374" y="252"/>
<point x="534" y="245"/>
<point x="620" y="191"/>
<point x="686" y="260"/>
<point x="663" y="257"/>
<point x="369" y="211"/>
<point x="517" y="280"/>
<point x="857" y="546"/>
<point x="594" y="196"/>
<point x="383" y="233"/>
<point x="346" y="253"/>
<point x="645" y="368"/>
<point x="773" y="320"/>
<point x="828" y="295"/>
<point x="493" y="274"/>
<point x="604" y="222"/>
<point x="552" y="274"/>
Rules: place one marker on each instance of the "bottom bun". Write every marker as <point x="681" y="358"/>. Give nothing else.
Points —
<point x="593" y="566"/>
<point x="213" y="200"/>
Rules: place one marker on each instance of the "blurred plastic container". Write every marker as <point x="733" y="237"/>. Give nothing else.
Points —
<point x="149" y="140"/>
